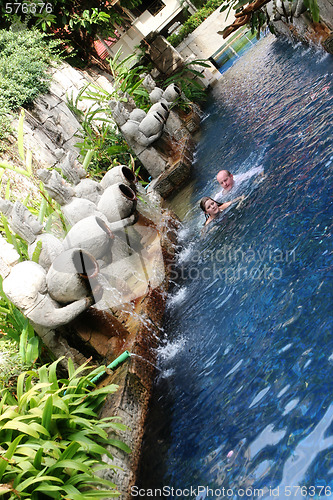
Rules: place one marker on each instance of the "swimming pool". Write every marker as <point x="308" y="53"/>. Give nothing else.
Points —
<point x="244" y="395"/>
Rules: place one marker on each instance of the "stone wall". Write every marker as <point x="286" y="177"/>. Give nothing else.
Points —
<point x="50" y="127"/>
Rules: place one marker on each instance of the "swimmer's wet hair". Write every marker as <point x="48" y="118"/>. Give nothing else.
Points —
<point x="203" y="203"/>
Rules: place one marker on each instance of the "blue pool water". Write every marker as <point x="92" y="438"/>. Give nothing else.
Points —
<point x="244" y="394"/>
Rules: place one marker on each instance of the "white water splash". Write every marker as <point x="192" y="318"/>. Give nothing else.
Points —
<point x="186" y="253"/>
<point x="167" y="373"/>
<point x="171" y="349"/>
<point x="177" y="298"/>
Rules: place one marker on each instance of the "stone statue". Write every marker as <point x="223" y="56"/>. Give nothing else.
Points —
<point x="26" y="287"/>
<point x="138" y="128"/>
<point x="56" y="186"/>
<point x="105" y="239"/>
<point x="23" y="223"/>
<point x="21" y="220"/>
<point x="142" y="129"/>
<point x="72" y="169"/>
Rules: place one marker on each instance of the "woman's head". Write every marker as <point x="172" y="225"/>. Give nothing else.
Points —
<point x="209" y="206"/>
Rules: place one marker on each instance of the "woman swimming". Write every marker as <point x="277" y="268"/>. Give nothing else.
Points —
<point x="213" y="208"/>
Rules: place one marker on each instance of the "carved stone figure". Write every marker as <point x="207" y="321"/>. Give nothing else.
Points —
<point x="91" y="234"/>
<point x="89" y="189"/>
<point x="23" y="223"/>
<point x="72" y="276"/>
<point x="72" y="169"/>
<point x="138" y="133"/>
<point x="26" y="288"/>
<point x="8" y="257"/>
<point x="21" y="220"/>
<point x="56" y="186"/>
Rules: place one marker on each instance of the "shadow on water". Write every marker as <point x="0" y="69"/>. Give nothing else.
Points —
<point x="244" y="398"/>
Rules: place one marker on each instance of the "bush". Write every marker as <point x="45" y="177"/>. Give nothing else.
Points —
<point x="24" y="57"/>
<point x="23" y="62"/>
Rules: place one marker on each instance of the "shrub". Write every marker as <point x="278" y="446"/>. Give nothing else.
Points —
<point x="24" y="57"/>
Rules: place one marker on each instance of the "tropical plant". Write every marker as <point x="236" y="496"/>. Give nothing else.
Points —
<point x="100" y="137"/>
<point x="188" y="78"/>
<point x="51" y="437"/>
<point x="127" y="78"/>
<point x="99" y="140"/>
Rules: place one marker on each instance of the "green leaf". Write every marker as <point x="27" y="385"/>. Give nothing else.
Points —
<point x="70" y="451"/>
<point x="37" y="251"/>
<point x="20" y="384"/>
<point x="71" y="369"/>
<point x="28" y="162"/>
<point x="38" y="459"/>
<point x="87" y="158"/>
<point x="70" y="464"/>
<point x="119" y="444"/>
<point x="21" y="427"/>
<point x="47" y="413"/>
<point x="33" y="480"/>
<point x="9" y="454"/>
<point x="91" y="495"/>
<point x="89" y="445"/>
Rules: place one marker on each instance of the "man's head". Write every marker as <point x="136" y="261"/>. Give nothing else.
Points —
<point x="225" y="179"/>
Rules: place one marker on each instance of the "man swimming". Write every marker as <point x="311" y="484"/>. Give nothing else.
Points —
<point x="231" y="183"/>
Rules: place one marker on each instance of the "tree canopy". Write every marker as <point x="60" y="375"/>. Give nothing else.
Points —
<point x="76" y="22"/>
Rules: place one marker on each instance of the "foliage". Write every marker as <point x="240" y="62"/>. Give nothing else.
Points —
<point x="24" y="57"/>
<point x="99" y="139"/>
<point x="47" y="210"/>
<point x="51" y="437"/>
<point x="260" y="20"/>
<point x="186" y="77"/>
<point x="23" y="63"/>
<point x="16" y="327"/>
<point x="13" y="324"/>
<point x="127" y="79"/>
<point x="100" y="135"/>
<point x="106" y="144"/>
<point x="313" y="8"/>
<point x="194" y="21"/>
<point x="75" y="22"/>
